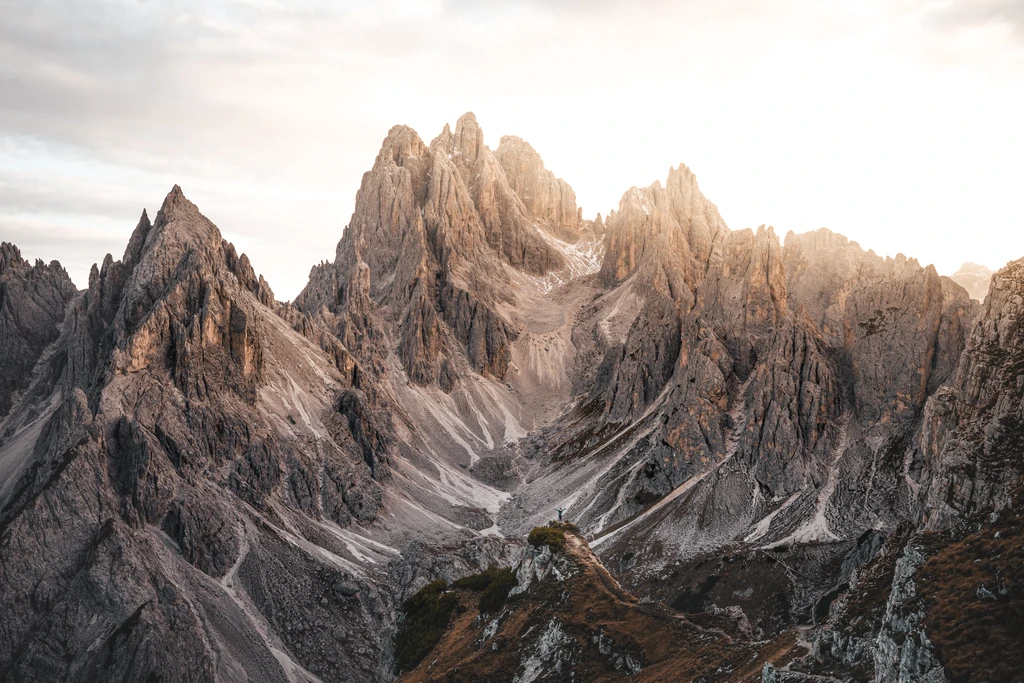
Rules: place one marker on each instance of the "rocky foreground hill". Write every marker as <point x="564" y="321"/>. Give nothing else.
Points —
<point x="790" y="458"/>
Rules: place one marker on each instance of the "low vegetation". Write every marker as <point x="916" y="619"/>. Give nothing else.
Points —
<point x="974" y="592"/>
<point x="427" y="615"/>
<point x="478" y="582"/>
<point x="494" y="596"/>
<point x="494" y="583"/>
<point x="549" y="535"/>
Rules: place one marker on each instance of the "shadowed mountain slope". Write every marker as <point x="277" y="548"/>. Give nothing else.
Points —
<point x="756" y="436"/>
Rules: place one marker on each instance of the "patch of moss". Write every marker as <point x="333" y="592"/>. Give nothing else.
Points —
<point x="427" y="615"/>
<point x="550" y="536"/>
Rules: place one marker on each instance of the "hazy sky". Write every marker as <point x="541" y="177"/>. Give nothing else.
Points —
<point x="895" y="122"/>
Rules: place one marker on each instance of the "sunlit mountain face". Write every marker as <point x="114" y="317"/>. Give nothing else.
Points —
<point x="534" y="418"/>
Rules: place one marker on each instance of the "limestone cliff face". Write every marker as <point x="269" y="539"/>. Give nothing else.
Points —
<point x="200" y="481"/>
<point x="895" y="331"/>
<point x="178" y="430"/>
<point x="901" y="325"/>
<point x="428" y="247"/>
<point x="973" y="432"/>
<point x="757" y="393"/>
<point x="33" y="299"/>
<point x="548" y="199"/>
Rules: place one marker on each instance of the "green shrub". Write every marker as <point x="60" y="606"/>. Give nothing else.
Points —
<point x="494" y="596"/>
<point x="426" y="618"/>
<point x="550" y="536"/>
<point x="496" y="583"/>
<point x="478" y="582"/>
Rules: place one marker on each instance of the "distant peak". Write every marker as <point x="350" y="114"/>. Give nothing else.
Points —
<point x="516" y="144"/>
<point x="469" y="138"/>
<point x="972" y="268"/>
<point x="174" y="197"/>
<point x="10" y="256"/>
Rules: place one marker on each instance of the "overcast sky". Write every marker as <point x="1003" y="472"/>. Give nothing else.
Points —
<point x="895" y="122"/>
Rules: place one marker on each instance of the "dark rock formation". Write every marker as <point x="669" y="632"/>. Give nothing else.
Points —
<point x="972" y="440"/>
<point x="33" y="299"/>
<point x="152" y="514"/>
<point x="198" y="482"/>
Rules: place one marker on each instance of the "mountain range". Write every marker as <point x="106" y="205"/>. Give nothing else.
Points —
<point x="783" y="460"/>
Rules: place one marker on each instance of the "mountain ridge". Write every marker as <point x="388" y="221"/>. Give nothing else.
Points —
<point x="277" y="477"/>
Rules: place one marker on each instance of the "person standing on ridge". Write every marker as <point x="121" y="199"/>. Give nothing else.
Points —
<point x="560" y="511"/>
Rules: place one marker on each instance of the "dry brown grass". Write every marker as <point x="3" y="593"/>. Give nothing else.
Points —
<point x="671" y="647"/>
<point x="978" y="639"/>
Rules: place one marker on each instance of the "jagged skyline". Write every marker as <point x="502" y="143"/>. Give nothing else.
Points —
<point x="892" y="123"/>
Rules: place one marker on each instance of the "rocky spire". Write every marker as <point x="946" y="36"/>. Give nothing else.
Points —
<point x="973" y="431"/>
<point x="33" y="299"/>
<point x="548" y="199"/>
<point x="436" y="227"/>
<point x="974" y="278"/>
<point x="671" y="223"/>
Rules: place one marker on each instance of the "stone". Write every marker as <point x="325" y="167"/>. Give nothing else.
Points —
<point x="33" y="301"/>
<point x="757" y="431"/>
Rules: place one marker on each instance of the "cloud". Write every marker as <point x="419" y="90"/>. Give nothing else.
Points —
<point x="1005" y="13"/>
<point x="268" y="112"/>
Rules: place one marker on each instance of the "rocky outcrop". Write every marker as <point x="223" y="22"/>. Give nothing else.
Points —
<point x="433" y="232"/>
<point x="567" y="619"/>
<point x="33" y="299"/>
<point x="547" y="198"/>
<point x="973" y="430"/>
<point x="200" y="482"/>
<point x="184" y="444"/>
<point x="903" y="652"/>
<point x="770" y="674"/>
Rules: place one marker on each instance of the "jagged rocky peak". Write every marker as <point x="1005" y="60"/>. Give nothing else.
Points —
<point x="175" y="294"/>
<point x="511" y="229"/>
<point x="548" y="198"/>
<point x="33" y="300"/>
<point x="186" y="425"/>
<point x="435" y="237"/>
<point x="972" y="439"/>
<point x="902" y="325"/>
<point x="659" y="223"/>
<point x="10" y="256"/>
<point x="974" y="278"/>
<point x="469" y="138"/>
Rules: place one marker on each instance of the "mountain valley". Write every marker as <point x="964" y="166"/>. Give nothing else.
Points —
<point x="783" y="459"/>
